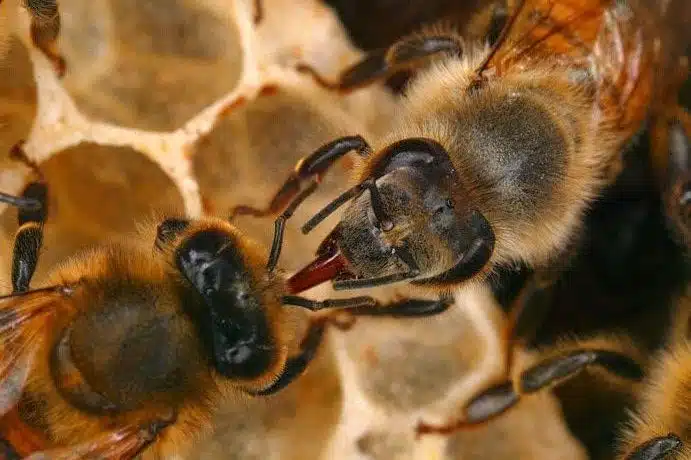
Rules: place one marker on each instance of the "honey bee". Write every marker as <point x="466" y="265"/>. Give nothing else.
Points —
<point x="499" y="148"/>
<point x="45" y="28"/>
<point x="127" y="348"/>
<point x="497" y="151"/>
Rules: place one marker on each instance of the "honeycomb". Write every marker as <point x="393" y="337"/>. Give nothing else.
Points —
<point x="189" y="107"/>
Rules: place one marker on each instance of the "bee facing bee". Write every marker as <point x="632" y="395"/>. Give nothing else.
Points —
<point x="498" y="150"/>
<point x="128" y="348"/>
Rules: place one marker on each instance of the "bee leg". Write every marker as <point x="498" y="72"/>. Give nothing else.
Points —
<point x="407" y="308"/>
<point x="310" y="170"/>
<point x="367" y="306"/>
<point x="45" y="28"/>
<point x="408" y="53"/>
<point x="28" y="240"/>
<point x="499" y="398"/>
<point x="656" y="448"/>
<point x="526" y="314"/>
<point x="280" y="223"/>
<point x="295" y="365"/>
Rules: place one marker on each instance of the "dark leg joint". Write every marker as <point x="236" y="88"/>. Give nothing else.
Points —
<point x="325" y="156"/>
<point x="409" y="308"/>
<point x="491" y="403"/>
<point x="406" y="54"/>
<point x="38" y="192"/>
<point x="329" y="304"/>
<point x="569" y="365"/>
<point x="555" y="370"/>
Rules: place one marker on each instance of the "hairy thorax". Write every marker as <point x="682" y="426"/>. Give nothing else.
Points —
<point x="523" y="147"/>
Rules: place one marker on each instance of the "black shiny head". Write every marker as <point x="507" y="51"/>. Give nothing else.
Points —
<point x="230" y="316"/>
<point x="410" y="223"/>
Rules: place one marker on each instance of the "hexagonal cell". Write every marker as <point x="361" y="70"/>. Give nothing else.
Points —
<point x="533" y="429"/>
<point x="87" y="46"/>
<point x="18" y="101"/>
<point x="254" y="147"/>
<point x="406" y="365"/>
<point x="384" y="445"/>
<point x="150" y="65"/>
<point x="5" y="30"/>
<point x="258" y="429"/>
<point x="95" y="193"/>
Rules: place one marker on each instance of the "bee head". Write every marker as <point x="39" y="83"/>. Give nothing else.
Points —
<point x="405" y="223"/>
<point x="230" y="313"/>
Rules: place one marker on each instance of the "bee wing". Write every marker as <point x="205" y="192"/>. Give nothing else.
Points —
<point x="121" y="444"/>
<point x="553" y="27"/>
<point x="22" y="319"/>
<point x="13" y="376"/>
<point x="619" y="43"/>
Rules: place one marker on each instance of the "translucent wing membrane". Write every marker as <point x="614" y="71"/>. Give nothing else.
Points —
<point x="617" y="43"/>
<point x="555" y="26"/>
<point x="22" y="317"/>
<point x="119" y="444"/>
<point x="17" y="360"/>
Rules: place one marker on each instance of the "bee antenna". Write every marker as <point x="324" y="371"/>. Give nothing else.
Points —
<point x="280" y="223"/>
<point x="382" y="219"/>
<point x="330" y="208"/>
<point x="29" y="204"/>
